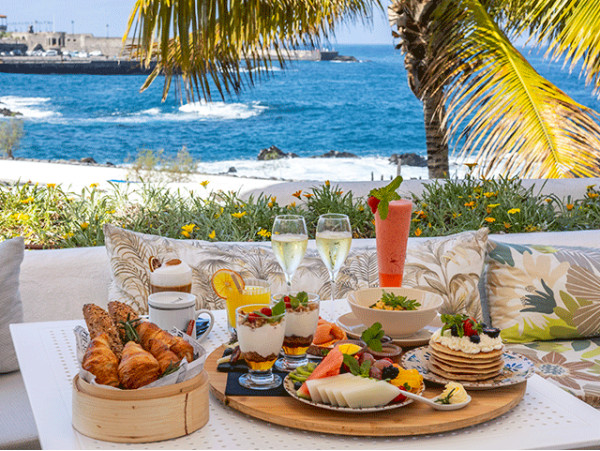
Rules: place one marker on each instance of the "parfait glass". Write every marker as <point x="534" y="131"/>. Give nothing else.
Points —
<point x="333" y="239"/>
<point x="260" y="338"/>
<point x="289" y="239"/>
<point x="302" y="318"/>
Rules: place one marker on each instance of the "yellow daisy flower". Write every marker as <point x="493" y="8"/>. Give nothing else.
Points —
<point x="512" y="211"/>
<point x="239" y="214"/>
<point x="212" y="235"/>
<point x="489" y="219"/>
<point x="204" y="183"/>
<point x="418" y="232"/>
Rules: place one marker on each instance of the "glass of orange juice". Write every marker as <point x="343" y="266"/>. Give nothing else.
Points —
<point x="237" y="292"/>
<point x="255" y="291"/>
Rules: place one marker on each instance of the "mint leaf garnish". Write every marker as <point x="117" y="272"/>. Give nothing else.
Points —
<point x="385" y="195"/>
<point x="278" y="308"/>
<point x="352" y="364"/>
<point x="372" y="337"/>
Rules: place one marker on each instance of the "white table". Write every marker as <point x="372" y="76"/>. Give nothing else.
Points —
<point x="547" y="417"/>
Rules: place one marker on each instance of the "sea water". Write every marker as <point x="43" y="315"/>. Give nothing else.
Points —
<point x="309" y="108"/>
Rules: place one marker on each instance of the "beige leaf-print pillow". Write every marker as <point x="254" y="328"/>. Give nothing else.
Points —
<point x="451" y="267"/>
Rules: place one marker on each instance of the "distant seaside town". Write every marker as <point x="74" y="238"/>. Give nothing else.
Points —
<point x="45" y="52"/>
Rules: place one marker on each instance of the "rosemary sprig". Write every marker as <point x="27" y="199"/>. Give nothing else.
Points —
<point x="129" y="328"/>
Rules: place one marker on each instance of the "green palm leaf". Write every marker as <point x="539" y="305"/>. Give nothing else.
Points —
<point x="209" y="42"/>
<point x="499" y="108"/>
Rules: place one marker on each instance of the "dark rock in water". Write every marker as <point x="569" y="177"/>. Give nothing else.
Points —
<point x="6" y="112"/>
<point x="232" y="170"/>
<point x="88" y="160"/>
<point x="274" y="153"/>
<point x="346" y="59"/>
<point x="408" y="159"/>
<point x="109" y="163"/>
<point x="337" y="154"/>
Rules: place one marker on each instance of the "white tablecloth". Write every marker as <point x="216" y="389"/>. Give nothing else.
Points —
<point x="547" y="417"/>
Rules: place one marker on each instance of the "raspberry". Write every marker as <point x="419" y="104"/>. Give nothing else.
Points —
<point x="252" y="317"/>
<point x="400" y="397"/>
<point x="288" y="302"/>
<point x="373" y="203"/>
<point x="266" y="311"/>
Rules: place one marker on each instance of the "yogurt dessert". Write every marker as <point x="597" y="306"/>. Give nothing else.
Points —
<point x="260" y="334"/>
<point x="302" y="312"/>
<point x="172" y="275"/>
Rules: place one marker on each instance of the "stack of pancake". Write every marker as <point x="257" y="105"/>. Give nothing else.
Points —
<point x="458" y="365"/>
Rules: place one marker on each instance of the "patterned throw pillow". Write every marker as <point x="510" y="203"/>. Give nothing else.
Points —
<point x="449" y="266"/>
<point x="540" y="292"/>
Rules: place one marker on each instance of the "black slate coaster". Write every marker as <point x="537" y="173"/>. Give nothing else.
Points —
<point x="233" y="387"/>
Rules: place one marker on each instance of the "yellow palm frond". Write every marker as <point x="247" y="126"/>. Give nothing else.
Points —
<point x="500" y="109"/>
<point x="223" y="45"/>
<point x="570" y="29"/>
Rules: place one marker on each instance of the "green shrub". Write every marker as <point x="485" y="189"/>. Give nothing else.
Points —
<point x="47" y="216"/>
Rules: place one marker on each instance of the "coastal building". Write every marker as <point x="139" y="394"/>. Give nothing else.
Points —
<point x="68" y="43"/>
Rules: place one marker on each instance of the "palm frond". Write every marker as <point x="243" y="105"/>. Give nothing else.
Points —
<point x="500" y="109"/>
<point x="223" y="45"/>
<point x="570" y="29"/>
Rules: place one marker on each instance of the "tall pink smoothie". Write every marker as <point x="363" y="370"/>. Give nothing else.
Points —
<point x="391" y="235"/>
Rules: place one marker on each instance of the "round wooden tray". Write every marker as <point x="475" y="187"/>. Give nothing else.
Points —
<point x="414" y="419"/>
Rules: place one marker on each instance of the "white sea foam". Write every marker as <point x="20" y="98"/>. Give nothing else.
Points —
<point x="320" y="169"/>
<point x="29" y="107"/>
<point x="222" y="110"/>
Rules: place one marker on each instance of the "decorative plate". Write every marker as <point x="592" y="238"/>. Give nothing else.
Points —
<point x="354" y="328"/>
<point x="517" y="369"/>
<point x="288" y="385"/>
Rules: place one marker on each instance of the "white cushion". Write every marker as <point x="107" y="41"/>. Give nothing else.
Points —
<point x="17" y="426"/>
<point x="56" y="283"/>
<point x="11" y="310"/>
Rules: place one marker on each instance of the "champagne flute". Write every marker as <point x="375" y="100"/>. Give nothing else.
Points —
<point x="289" y="240"/>
<point x="333" y="239"/>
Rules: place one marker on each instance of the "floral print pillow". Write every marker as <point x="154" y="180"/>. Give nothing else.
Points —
<point x="540" y="292"/>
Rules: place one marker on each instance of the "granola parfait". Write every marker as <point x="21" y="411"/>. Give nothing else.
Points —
<point x="302" y="316"/>
<point x="260" y="331"/>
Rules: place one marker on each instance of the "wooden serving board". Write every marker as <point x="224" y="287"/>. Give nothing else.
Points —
<point x="413" y="419"/>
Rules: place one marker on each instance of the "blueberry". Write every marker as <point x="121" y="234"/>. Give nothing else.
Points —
<point x="491" y="332"/>
<point x="454" y="331"/>
<point x="475" y="338"/>
<point x="390" y="372"/>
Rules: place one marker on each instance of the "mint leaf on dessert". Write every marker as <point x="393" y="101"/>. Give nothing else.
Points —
<point x="302" y="297"/>
<point x="372" y="337"/>
<point x="385" y="195"/>
<point x="278" y="308"/>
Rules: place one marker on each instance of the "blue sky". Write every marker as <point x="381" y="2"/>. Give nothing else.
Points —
<point x="110" y="16"/>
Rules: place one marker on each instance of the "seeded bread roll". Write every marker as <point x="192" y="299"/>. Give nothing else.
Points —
<point x="119" y="313"/>
<point x="98" y="321"/>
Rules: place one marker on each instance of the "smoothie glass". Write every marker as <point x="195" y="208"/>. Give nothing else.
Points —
<point x="391" y="236"/>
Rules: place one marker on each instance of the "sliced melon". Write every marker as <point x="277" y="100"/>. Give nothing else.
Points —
<point x="370" y="394"/>
<point x="329" y="366"/>
<point x="315" y="387"/>
<point x="338" y="391"/>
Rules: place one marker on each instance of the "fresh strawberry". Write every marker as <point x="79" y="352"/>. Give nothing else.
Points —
<point x="400" y="397"/>
<point x="253" y="317"/>
<point x="469" y="327"/>
<point x="266" y="311"/>
<point x="287" y="300"/>
<point x="373" y="203"/>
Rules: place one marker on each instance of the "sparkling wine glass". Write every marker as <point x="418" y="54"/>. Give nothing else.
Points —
<point x="289" y="240"/>
<point x="333" y="238"/>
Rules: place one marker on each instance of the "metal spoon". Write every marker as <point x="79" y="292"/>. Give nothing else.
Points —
<point x="437" y="405"/>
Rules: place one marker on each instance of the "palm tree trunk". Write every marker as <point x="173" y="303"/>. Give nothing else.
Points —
<point x="437" y="145"/>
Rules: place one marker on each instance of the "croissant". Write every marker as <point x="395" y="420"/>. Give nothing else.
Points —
<point x="183" y="349"/>
<point x="137" y="367"/>
<point x="120" y="313"/>
<point x="161" y="352"/>
<point x="147" y="331"/>
<point x="101" y="361"/>
<point x="98" y="321"/>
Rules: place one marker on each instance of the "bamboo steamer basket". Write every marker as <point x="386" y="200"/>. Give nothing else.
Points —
<point x="143" y="415"/>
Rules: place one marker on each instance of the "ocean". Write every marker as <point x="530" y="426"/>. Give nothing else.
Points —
<point x="310" y="108"/>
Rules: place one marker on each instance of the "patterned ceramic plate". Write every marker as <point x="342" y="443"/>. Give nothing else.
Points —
<point x="517" y="368"/>
<point x="288" y="384"/>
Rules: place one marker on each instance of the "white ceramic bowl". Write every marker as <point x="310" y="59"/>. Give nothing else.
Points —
<point x="396" y="324"/>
